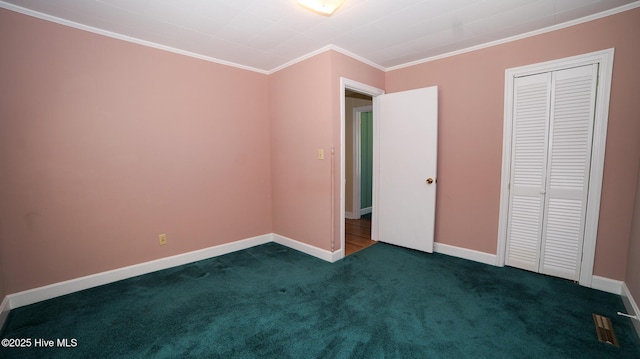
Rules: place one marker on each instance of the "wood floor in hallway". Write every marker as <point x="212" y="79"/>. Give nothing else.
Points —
<point x="357" y="235"/>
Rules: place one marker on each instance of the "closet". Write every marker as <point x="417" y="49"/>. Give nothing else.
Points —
<point x="548" y="188"/>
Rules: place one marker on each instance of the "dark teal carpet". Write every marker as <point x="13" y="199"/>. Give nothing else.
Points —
<point x="273" y="302"/>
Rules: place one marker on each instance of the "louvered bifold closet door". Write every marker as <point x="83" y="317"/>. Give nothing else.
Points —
<point x="571" y="131"/>
<point x="528" y="170"/>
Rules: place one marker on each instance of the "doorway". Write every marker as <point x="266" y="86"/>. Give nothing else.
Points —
<point x="356" y="232"/>
<point x="358" y="170"/>
<point x="405" y="132"/>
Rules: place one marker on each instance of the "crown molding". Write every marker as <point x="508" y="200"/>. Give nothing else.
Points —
<point x="325" y="49"/>
<point x="300" y="59"/>
<point x="356" y="57"/>
<point x="115" y="35"/>
<point x="521" y="36"/>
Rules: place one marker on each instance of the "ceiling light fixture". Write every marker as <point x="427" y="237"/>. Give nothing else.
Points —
<point x="322" y="7"/>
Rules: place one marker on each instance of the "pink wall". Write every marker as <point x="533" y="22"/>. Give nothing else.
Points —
<point x="300" y="126"/>
<point x="3" y="291"/>
<point x="105" y="144"/>
<point x="305" y="117"/>
<point x="470" y="133"/>
<point x="632" y="278"/>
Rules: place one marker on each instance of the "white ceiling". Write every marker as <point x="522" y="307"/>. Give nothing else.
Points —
<point x="266" y="34"/>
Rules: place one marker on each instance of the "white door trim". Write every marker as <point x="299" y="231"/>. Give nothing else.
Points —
<point x="357" y="166"/>
<point x="605" y="59"/>
<point x="346" y="83"/>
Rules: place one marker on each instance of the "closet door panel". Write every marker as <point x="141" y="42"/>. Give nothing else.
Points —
<point x="525" y="223"/>
<point x="529" y="154"/>
<point x="561" y="241"/>
<point x="570" y="140"/>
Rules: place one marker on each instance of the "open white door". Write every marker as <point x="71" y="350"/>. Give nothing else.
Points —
<point x="407" y="156"/>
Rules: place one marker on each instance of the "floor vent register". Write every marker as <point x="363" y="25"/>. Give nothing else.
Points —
<point x="604" y="329"/>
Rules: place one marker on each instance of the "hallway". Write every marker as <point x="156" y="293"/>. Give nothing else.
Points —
<point x="357" y="235"/>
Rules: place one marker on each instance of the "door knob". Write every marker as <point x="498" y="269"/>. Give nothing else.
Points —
<point x="429" y="180"/>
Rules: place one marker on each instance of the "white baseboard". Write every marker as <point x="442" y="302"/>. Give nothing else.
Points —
<point x="4" y="311"/>
<point x="35" y="295"/>
<point x="464" y="253"/>
<point x="632" y="307"/>
<point x="599" y="283"/>
<point x="337" y="255"/>
<point x="350" y="215"/>
<point x="308" y="249"/>
<point x="57" y="289"/>
<point x="606" y="285"/>
<point x="364" y="211"/>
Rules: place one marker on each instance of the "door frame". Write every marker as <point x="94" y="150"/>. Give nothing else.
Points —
<point x="357" y="155"/>
<point x="374" y="92"/>
<point x="605" y="60"/>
